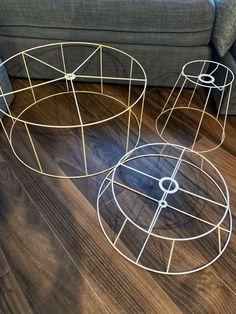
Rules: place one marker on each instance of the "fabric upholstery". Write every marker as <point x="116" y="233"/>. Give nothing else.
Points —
<point x="160" y="22"/>
<point x="161" y="63"/>
<point x="224" y="33"/>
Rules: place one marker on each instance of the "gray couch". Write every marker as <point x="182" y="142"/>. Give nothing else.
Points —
<point x="224" y="40"/>
<point x="162" y="34"/>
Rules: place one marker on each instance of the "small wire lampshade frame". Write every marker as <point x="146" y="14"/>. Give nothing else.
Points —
<point x="201" y="75"/>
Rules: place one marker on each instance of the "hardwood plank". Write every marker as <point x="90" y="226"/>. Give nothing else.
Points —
<point x="45" y="272"/>
<point x="225" y="161"/>
<point x="201" y="292"/>
<point x="12" y="299"/>
<point x="83" y="239"/>
<point x="4" y="266"/>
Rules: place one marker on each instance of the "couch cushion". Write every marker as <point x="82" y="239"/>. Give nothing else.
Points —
<point x="224" y="33"/>
<point x="161" y="22"/>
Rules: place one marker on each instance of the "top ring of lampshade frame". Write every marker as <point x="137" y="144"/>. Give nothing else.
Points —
<point x="195" y="72"/>
<point x="70" y="77"/>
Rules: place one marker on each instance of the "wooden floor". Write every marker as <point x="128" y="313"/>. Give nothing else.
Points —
<point x="54" y="257"/>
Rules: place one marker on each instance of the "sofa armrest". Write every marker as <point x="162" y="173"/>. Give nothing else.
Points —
<point x="224" y="30"/>
<point x="229" y="61"/>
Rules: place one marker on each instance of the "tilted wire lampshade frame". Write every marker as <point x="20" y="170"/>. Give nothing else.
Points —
<point x="198" y="73"/>
<point x="114" y="235"/>
<point x="69" y="77"/>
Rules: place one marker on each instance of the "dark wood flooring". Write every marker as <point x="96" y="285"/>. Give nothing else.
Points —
<point x="54" y="257"/>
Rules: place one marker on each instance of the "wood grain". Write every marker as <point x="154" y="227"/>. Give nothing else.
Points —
<point x="48" y="278"/>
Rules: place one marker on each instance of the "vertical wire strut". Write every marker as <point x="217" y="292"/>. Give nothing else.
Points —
<point x="101" y="68"/>
<point x="222" y="95"/>
<point x="202" y="163"/>
<point x="33" y="147"/>
<point x="129" y="96"/>
<point x="3" y="126"/>
<point x="64" y="65"/>
<point x="28" y="75"/>
<point x="227" y="107"/>
<point x="195" y="87"/>
<point x="166" y="103"/>
<point x="176" y="100"/>
<point x="76" y="102"/>
<point x="5" y="131"/>
<point x="202" y="116"/>
<point x="84" y="151"/>
<point x="170" y="256"/>
<point x="141" y="118"/>
<point x="119" y="233"/>
<point x="82" y="128"/>
<point x="219" y="239"/>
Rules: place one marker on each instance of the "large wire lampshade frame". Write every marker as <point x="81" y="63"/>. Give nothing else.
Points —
<point x="69" y="79"/>
<point x="169" y="186"/>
